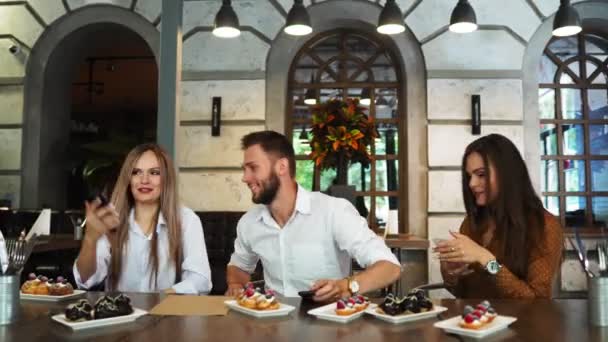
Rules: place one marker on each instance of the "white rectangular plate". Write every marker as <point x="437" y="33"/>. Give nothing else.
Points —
<point x="44" y="298"/>
<point x="405" y="318"/>
<point x="499" y="323"/>
<point x="283" y="310"/>
<point x="328" y="312"/>
<point x="96" y="323"/>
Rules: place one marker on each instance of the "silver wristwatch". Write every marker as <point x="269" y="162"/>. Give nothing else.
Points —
<point x="492" y="267"/>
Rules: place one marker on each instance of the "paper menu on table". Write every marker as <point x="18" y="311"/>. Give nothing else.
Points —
<point x="42" y="226"/>
<point x="190" y="305"/>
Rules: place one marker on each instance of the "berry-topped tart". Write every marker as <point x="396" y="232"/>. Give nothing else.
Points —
<point x="477" y="317"/>
<point x="41" y="285"/>
<point x="257" y="298"/>
<point x="351" y="305"/>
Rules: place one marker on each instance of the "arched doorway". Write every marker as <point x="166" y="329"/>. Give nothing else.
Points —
<point x="74" y="65"/>
<point x="363" y="16"/>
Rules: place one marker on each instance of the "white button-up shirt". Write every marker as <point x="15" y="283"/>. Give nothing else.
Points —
<point x="137" y="267"/>
<point x="317" y="242"/>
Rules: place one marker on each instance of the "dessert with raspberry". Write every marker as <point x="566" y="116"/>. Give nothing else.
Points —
<point x="477" y="317"/>
<point x="258" y="298"/>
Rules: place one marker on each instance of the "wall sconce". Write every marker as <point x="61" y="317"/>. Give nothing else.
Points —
<point x="476" y="114"/>
<point x="216" y="116"/>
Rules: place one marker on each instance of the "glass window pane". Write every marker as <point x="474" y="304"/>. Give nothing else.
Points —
<point x="546" y="103"/>
<point x="546" y="70"/>
<point x="382" y="210"/>
<point x="599" y="175"/>
<point x="575" y="68"/>
<point x="548" y="139"/>
<point x="575" y="211"/>
<point x="601" y="78"/>
<point x="564" y="78"/>
<point x="387" y="177"/>
<point x="596" y="46"/>
<point x="327" y="179"/>
<point x="590" y="67"/>
<point x="386" y="103"/>
<point x="598" y="103"/>
<point x="548" y="176"/>
<point x="388" y="139"/>
<point x="300" y="141"/>
<point x="327" y="94"/>
<point x="600" y="210"/>
<point x="574" y="171"/>
<point x="564" y="47"/>
<point x="362" y="205"/>
<point x="598" y="139"/>
<point x="359" y="177"/>
<point x="305" y="173"/>
<point x="300" y="110"/>
<point x="573" y="140"/>
<point x="551" y="203"/>
<point x="572" y="107"/>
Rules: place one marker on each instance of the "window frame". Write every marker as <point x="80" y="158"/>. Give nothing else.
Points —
<point x="397" y="119"/>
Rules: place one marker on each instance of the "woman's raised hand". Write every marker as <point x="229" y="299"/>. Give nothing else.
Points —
<point x="101" y="219"/>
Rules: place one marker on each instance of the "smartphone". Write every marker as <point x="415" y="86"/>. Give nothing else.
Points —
<point x="307" y="295"/>
<point x="102" y="198"/>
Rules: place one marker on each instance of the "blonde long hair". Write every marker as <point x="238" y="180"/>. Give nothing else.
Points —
<point x="123" y="201"/>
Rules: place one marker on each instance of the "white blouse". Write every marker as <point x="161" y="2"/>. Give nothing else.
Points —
<point x="136" y="268"/>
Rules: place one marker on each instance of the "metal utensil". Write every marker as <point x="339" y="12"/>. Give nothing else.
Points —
<point x="583" y="260"/>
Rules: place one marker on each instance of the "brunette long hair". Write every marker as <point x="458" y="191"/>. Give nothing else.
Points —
<point x="517" y="211"/>
<point x="123" y="201"/>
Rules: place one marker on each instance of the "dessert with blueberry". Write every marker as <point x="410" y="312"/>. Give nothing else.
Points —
<point x="345" y="307"/>
<point x="257" y="298"/>
<point x="477" y="317"/>
<point x="61" y="287"/>
<point x="41" y="285"/>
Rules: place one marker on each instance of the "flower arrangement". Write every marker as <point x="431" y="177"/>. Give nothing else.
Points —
<point x="341" y="134"/>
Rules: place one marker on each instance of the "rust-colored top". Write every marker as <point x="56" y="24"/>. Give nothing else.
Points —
<point x="543" y="262"/>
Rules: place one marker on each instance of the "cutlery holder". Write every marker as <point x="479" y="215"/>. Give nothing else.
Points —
<point x="10" y="306"/>
<point x="597" y="301"/>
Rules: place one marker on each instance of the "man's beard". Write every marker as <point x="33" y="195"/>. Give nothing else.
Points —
<point x="270" y="187"/>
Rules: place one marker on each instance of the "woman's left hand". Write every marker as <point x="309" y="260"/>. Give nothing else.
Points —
<point x="462" y="249"/>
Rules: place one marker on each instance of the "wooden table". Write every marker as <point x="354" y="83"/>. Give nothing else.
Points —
<point x="541" y="320"/>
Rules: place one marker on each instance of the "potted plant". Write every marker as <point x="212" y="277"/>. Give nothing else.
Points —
<point x="341" y="134"/>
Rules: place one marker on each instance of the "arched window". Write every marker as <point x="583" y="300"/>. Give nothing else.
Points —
<point x="573" y="105"/>
<point x="341" y="64"/>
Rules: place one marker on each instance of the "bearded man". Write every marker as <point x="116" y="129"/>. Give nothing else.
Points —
<point x="305" y="240"/>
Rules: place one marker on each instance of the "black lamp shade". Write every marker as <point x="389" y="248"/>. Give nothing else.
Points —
<point x="566" y="21"/>
<point x="310" y="98"/>
<point x="298" y="20"/>
<point x="463" y="18"/>
<point x="226" y="24"/>
<point x="391" y="19"/>
<point x="366" y="98"/>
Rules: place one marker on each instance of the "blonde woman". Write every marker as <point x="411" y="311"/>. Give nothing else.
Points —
<point x="143" y="241"/>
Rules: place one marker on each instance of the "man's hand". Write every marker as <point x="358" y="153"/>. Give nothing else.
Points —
<point x="328" y="290"/>
<point x="234" y="290"/>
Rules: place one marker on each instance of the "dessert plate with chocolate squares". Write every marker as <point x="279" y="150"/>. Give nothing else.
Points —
<point x="107" y="310"/>
<point x="415" y="306"/>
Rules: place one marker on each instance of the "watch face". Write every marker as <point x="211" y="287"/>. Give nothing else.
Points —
<point x="353" y="286"/>
<point x="493" y="267"/>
